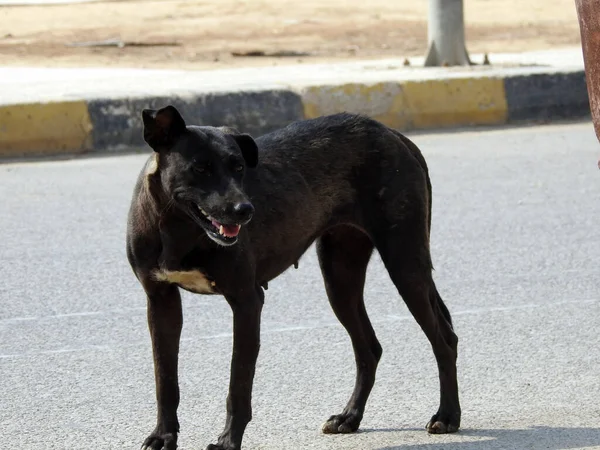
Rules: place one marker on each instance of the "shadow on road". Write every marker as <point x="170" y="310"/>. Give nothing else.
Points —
<point x="534" y="438"/>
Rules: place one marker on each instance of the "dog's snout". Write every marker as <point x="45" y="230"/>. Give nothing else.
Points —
<point x="243" y="211"/>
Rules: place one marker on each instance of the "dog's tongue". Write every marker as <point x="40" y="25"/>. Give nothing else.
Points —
<point x="226" y="230"/>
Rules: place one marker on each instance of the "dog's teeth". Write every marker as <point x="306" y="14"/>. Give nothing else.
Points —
<point x="221" y="229"/>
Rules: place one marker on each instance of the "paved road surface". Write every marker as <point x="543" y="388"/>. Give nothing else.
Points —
<point x="516" y="245"/>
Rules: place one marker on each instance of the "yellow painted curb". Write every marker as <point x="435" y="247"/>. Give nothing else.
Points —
<point x="462" y="101"/>
<point x="414" y="104"/>
<point x="39" y="128"/>
<point x="382" y="101"/>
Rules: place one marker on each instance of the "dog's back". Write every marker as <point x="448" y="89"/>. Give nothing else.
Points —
<point x="318" y="173"/>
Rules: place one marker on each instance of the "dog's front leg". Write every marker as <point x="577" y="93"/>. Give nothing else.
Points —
<point x="246" y="342"/>
<point x="165" y="322"/>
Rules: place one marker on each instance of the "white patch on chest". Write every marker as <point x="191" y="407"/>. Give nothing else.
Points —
<point x="152" y="165"/>
<point x="190" y="280"/>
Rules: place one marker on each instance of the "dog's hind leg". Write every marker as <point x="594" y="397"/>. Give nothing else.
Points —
<point x="405" y="254"/>
<point x="344" y="254"/>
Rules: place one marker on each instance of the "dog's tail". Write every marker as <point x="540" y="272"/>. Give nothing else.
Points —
<point x="421" y="160"/>
<point x="419" y="157"/>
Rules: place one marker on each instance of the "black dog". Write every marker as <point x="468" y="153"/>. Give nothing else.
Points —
<point x="215" y="212"/>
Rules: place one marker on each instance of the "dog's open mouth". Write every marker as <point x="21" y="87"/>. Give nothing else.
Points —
<point x="222" y="233"/>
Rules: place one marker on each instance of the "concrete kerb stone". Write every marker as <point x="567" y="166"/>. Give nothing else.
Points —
<point x="45" y="128"/>
<point x="414" y="104"/>
<point x="547" y="96"/>
<point x="118" y="123"/>
<point x="458" y="99"/>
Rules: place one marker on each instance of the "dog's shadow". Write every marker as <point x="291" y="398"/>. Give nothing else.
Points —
<point x="532" y="438"/>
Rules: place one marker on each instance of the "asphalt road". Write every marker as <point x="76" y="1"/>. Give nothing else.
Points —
<point x="516" y="246"/>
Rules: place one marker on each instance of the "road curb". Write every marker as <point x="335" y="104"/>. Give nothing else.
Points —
<point x="453" y="101"/>
<point x="547" y="96"/>
<point x="410" y="105"/>
<point x="45" y="128"/>
<point x="118" y="123"/>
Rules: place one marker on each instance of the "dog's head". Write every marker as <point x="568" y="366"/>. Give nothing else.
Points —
<point x="201" y="170"/>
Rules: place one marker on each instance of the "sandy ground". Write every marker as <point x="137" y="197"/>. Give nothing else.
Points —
<point x="203" y="34"/>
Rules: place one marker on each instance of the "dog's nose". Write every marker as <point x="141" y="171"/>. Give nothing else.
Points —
<point x="243" y="211"/>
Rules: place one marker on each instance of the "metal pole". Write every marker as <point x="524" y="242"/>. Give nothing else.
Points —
<point x="446" y="34"/>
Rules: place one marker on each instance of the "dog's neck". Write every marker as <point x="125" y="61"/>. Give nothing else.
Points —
<point x="152" y="192"/>
<point x="151" y="198"/>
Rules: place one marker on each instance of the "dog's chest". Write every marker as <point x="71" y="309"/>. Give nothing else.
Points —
<point x="191" y="280"/>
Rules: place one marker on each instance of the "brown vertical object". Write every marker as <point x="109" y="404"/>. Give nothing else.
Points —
<point x="588" y="12"/>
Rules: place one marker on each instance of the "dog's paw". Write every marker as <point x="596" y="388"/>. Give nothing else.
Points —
<point x="342" y="423"/>
<point x="167" y="441"/>
<point x="220" y="447"/>
<point x="442" y="423"/>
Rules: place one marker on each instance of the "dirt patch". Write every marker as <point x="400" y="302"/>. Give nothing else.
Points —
<point x="205" y="33"/>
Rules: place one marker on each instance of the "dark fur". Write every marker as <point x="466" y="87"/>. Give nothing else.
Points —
<point x="346" y="181"/>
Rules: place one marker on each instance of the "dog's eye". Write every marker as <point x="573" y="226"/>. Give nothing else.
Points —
<point x="238" y="168"/>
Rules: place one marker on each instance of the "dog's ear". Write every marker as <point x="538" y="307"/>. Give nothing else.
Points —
<point x="162" y="127"/>
<point x="248" y="147"/>
<point x="245" y="143"/>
